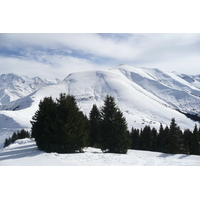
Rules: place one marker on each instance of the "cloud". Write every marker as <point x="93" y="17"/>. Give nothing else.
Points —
<point x="93" y="44"/>
<point x="21" y="66"/>
<point x="60" y="66"/>
<point x="117" y="46"/>
<point x="188" y="65"/>
<point x="57" y="53"/>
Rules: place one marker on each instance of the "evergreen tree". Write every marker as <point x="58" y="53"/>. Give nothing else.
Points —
<point x="160" y="139"/>
<point x="113" y="128"/>
<point x="94" y="119"/>
<point x="14" y="137"/>
<point x="60" y="126"/>
<point x="7" y="142"/>
<point x="165" y="140"/>
<point x="135" y="138"/>
<point x="187" y="137"/>
<point x="141" y="140"/>
<point x="198" y="140"/>
<point x="195" y="141"/>
<point x="154" y="140"/>
<point x="146" y="138"/>
<point x="175" y="139"/>
<point x="43" y="124"/>
<point x="72" y="125"/>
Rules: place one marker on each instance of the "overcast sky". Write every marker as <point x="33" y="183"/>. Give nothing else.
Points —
<point x="56" y="55"/>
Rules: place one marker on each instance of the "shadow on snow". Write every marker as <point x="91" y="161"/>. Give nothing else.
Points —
<point x="20" y="152"/>
<point x="165" y="155"/>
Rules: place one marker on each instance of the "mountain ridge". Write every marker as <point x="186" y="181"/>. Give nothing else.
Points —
<point x="13" y="86"/>
<point x="145" y="96"/>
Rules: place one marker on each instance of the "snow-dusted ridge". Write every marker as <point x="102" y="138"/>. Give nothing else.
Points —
<point x="13" y="86"/>
<point x="146" y="96"/>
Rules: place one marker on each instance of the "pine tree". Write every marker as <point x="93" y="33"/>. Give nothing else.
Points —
<point x="42" y="124"/>
<point x="195" y="141"/>
<point x="113" y="128"/>
<point x="160" y="139"/>
<point x="166" y="140"/>
<point x="187" y="137"/>
<point x="14" y="137"/>
<point x="198" y="140"/>
<point x="154" y="140"/>
<point x="7" y="142"/>
<point x="135" y="138"/>
<point x="141" y="140"/>
<point x="60" y="126"/>
<point x="72" y="125"/>
<point x="94" y="119"/>
<point x="175" y="139"/>
<point x="146" y="134"/>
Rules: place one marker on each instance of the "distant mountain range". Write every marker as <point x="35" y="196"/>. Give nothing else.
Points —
<point x="13" y="87"/>
<point x="146" y="96"/>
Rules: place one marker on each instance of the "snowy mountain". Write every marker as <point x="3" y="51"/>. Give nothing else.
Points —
<point x="146" y="96"/>
<point x="13" y="87"/>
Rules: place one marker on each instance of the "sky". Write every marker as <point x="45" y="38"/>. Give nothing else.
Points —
<point x="140" y="35"/>
<point x="55" y="55"/>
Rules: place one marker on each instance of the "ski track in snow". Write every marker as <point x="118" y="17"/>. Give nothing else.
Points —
<point x="24" y="152"/>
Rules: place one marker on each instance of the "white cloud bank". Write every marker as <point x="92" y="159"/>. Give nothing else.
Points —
<point x="169" y="52"/>
<point x="61" y="66"/>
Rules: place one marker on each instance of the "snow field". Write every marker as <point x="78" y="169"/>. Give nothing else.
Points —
<point x="24" y="152"/>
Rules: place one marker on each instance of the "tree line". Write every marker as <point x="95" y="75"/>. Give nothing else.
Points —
<point x="60" y="126"/>
<point x="16" y="136"/>
<point x="167" y="140"/>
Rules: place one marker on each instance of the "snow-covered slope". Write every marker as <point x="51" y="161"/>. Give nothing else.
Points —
<point x="174" y="90"/>
<point x="24" y="152"/>
<point x="146" y="97"/>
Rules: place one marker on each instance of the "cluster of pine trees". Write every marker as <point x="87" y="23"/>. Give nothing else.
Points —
<point x="108" y="128"/>
<point x="60" y="126"/>
<point x="167" y="140"/>
<point x="15" y="136"/>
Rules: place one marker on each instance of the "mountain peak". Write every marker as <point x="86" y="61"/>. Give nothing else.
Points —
<point x="146" y="96"/>
<point x="10" y="77"/>
<point x="13" y="86"/>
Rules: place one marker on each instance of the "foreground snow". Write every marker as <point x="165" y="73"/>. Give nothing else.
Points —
<point x="25" y="152"/>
